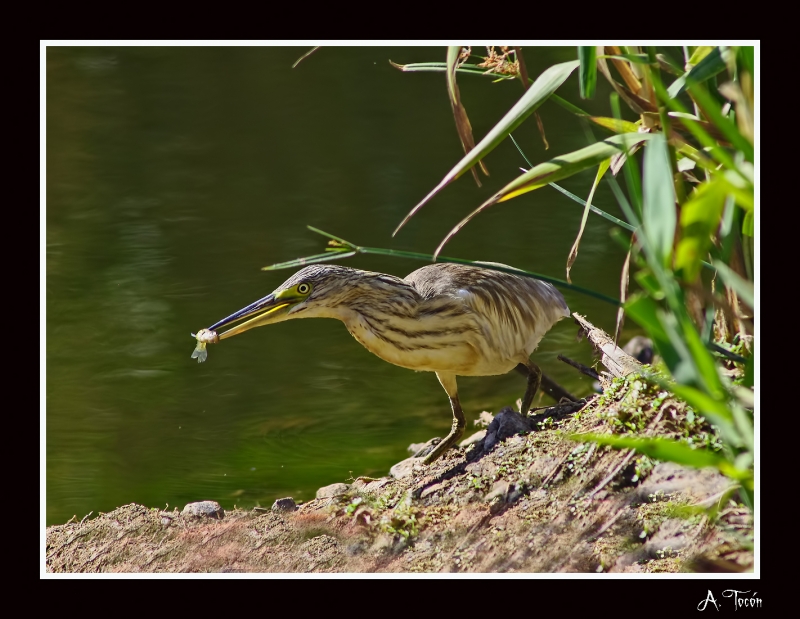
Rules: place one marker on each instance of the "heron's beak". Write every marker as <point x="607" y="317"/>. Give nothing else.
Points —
<point x="262" y="312"/>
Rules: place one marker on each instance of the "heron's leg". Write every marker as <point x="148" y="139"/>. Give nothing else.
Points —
<point x="548" y="385"/>
<point x="534" y="375"/>
<point x="448" y="381"/>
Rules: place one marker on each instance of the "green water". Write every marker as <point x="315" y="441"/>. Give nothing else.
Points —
<point x="175" y="173"/>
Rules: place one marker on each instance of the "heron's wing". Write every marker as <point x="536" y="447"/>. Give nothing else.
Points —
<point x="523" y="303"/>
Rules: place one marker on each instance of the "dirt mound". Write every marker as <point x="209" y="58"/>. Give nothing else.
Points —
<point x="535" y="502"/>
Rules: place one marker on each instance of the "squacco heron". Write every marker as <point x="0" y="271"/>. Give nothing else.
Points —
<point x="452" y="319"/>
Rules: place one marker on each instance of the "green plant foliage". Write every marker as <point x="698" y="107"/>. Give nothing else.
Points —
<point x="659" y="215"/>
<point x="699" y="217"/>
<point x="588" y="74"/>
<point x="615" y="124"/>
<point x="707" y="61"/>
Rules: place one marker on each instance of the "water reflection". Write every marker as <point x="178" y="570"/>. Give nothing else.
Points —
<point x="174" y="174"/>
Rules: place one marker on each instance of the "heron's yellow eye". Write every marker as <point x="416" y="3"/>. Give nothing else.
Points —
<point x="304" y="288"/>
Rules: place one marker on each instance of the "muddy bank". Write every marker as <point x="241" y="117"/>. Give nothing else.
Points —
<point x="519" y="496"/>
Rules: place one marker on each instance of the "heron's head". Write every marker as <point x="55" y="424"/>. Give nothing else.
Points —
<point x="313" y="291"/>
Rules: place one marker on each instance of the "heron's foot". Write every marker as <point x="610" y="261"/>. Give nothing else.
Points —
<point x="534" y="375"/>
<point x="420" y="450"/>
<point x="459" y="423"/>
<point x="443" y="446"/>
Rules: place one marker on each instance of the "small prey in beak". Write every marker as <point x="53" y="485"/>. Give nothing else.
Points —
<point x="261" y="312"/>
<point x="203" y="337"/>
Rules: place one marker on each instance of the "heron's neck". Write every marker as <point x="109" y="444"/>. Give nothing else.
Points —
<point x="391" y="310"/>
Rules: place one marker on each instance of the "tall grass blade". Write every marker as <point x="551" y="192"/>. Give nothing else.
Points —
<point x="545" y="173"/>
<point x="301" y="262"/>
<point x="624" y="280"/>
<point x="545" y="85"/>
<point x="568" y="106"/>
<point x="659" y="215"/>
<point x="728" y="128"/>
<point x="696" y="365"/>
<point x="614" y="124"/>
<point x="710" y="107"/>
<point x="594" y="209"/>
<point x="744" y="424"/>
<point x="587" y="54"/>
<point x="624" y="68"/>
<point x="634" y="101"/>
<point x="463" y="126"/>
<point x="669" y="450"/>
<point x="629" y="167"/>
<point x="701" y="357"/>
<point x="711" y="64"/>
<point x="304" y="56"/>
<point x="573" y="253"/>
<point x="667" y="64"/>
<point x="699" y="52"/>
<point x="746" y="56"/>
<point x="644" y="311"/>
<point x="700" y="217"/>
<point x="340" y="248"/>
<point x="635" y="58"/>
<point x="523" y="68"/>
<point x="440" y="67"/>
<point x="736" y="282"/>
<point x="573" y="197"/>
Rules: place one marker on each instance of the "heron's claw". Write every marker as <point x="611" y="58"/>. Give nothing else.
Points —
<point x="427" y="447"/>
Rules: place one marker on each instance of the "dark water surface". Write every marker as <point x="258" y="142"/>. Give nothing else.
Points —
<point x="175" y="173"/>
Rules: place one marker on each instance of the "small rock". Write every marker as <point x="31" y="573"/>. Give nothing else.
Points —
<point x="404" y="468"/>
<point x="361" y="482"/>
<point x="505" y="424"/>
<point x="328" y="492"/>
<point x="430" y="490"/>
<point x="377" y="484"/>
<point x="204" y="509"/>
<point x="499" y="490"/>
<point x="370" y="484"/>
<point x="286" y="504"/>
<point x="484" y="468"/>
